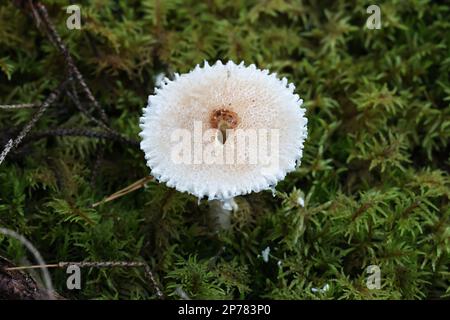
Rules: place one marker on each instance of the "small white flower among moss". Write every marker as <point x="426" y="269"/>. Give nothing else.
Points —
<point x="224" y="130"/>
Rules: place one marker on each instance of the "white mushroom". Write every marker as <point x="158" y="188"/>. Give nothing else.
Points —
<point x="223" y="130"/>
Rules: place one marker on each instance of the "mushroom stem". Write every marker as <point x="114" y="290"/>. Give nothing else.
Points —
<point x="221" y="210"/>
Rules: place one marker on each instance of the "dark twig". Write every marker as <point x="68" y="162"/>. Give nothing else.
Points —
<point x="41" y="17"/>
<point x="57" y="41"/>
<point x="73" y="95"/>
<point x="33" y="105"/>
<point x="81" y="132"/>
<point x="13" y="143"/>
<point x="19" y="106"/>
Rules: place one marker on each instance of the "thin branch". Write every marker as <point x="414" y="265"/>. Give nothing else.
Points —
<point x="112" y="134"/>
<point x="32" y="105"/>
<point x="81" y="132"/>
<point x="40" y="15"/>
<point x="13" y="143"/>
<point x="74" y="97"/>
<point x="19" y="106"/>
<point x="55" y="38"/>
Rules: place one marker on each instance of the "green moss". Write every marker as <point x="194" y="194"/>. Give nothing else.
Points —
<point x="374" y="176"/>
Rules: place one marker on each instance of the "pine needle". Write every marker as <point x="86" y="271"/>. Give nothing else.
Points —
<point x="132" y="187"/>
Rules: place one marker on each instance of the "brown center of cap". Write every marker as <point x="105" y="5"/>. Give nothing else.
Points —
<point x="224" y="119"/>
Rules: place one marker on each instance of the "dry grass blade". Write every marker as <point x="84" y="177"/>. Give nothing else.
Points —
<point x="132" y="187"/>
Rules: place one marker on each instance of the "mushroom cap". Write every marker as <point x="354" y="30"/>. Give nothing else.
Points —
<point x="264" y="141"/>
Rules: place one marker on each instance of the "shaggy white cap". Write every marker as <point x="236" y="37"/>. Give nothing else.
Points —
<point x="255" y="99"/>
